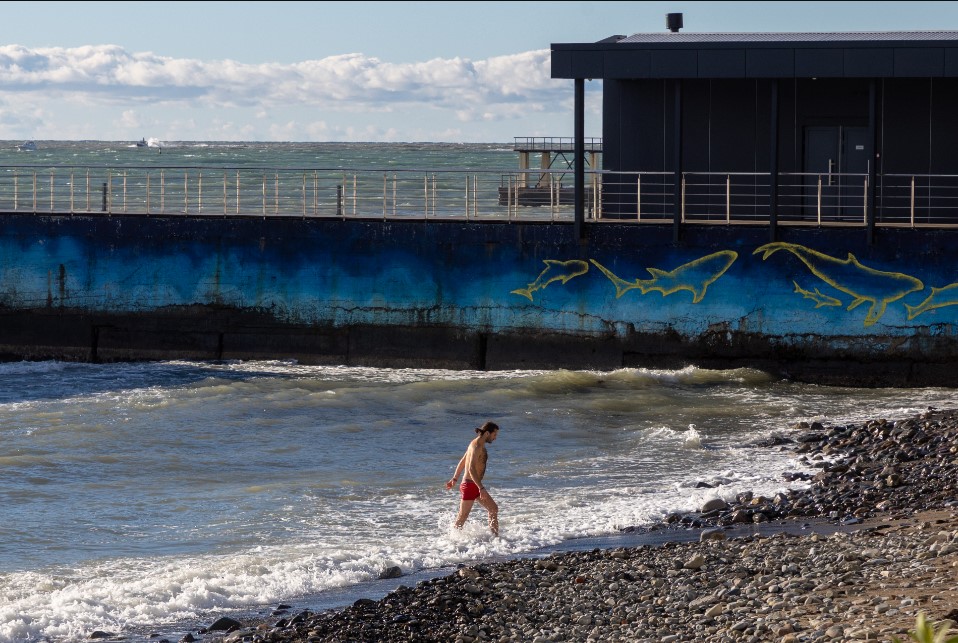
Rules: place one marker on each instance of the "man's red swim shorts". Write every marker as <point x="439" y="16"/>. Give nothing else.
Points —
<point x="469" y="490"/>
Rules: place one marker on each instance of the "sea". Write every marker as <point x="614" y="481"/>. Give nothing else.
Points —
<point x="146" y="500"/>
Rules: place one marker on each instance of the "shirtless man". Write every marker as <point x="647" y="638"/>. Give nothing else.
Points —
<point x="474" y="466"/>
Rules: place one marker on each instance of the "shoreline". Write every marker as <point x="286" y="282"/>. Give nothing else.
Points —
<point x="856" y="556"/>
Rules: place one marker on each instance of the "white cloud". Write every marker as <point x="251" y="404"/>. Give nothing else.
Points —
<point x="275" y="101"/>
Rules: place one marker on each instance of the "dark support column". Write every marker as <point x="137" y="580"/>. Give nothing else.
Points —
<point x="677" y="182"/>
<point x="773" y="167"/>
<point x="579" y="168"/>
<point x="873" y="160"/>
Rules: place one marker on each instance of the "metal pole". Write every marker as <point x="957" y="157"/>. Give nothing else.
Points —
<point x="728" y="198"/>
<point x="678" y="194"/>
<point x="773" y="167"/>
<point x="579" y="152"/>
<point x="870" y="182"/>
<point x="638" y="197"/>
<point x="819" y="201"/>
<point x="912" y="202"/>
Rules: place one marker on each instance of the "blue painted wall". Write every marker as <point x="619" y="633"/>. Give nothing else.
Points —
<point x="721" y="291"/>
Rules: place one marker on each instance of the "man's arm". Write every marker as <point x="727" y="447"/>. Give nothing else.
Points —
<point x="459" y="468"/>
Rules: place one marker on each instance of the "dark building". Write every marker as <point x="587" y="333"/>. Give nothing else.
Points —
<point x="783" y="128"/>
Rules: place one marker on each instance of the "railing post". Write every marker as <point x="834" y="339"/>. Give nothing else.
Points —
<point x="186" y="192"/>
<point x="638" y="197"/>
<point x="475" y="196"/>
<point x="355" y="195"/>
<point x="395" y="181"/>
<point x="225" y="198"/>
<point x="819" y="201"/>
<point x="147" y="193"/>
<point x="263" y="195"/>
<point x="124" y="191"/>
<point x="912" y="202"/>
<point x="237" y="192"/>
<point x="72" y="188"/>
<point x="199" y="193"/>
<point x="52" y="207"/>
<point x="683" y="197"/>
<point x="16" y="190"/>
<point x="728" y="198"/>
<point x="103" y="207"/>
<point x="276" y="193"/>
<point x="88" y="190"/>
<point x="865" y="204"/>
<point x="162" y="191"/>
<point x="385" y="188"/>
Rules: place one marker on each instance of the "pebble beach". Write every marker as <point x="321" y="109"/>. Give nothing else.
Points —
<point x="854" y="553"/>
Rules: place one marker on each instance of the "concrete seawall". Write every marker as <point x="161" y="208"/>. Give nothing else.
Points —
<point x="819" y="304"/>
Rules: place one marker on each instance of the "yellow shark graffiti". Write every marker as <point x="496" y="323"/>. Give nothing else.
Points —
<point x="939" y="298"/>
<point x="849" y="276"/>
<point x="695" y="276"/>
<point x="554" y="271"/>
<point x="819" y="299"/>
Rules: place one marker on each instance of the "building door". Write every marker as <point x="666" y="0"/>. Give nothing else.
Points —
<point x="836" y="165"/>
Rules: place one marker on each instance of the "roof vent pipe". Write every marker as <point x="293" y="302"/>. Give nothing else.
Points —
<point x="673" y="21"/>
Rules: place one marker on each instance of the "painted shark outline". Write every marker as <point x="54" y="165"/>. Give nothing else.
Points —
<point x="934" y="300"/>
<point x="695" y="276"/>
<point x="817" y="296"/>
<point x="554" y="271"/>
<point x="850" y="276"/>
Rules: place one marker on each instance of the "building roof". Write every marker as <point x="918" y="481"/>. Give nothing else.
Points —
<point x="817" y="37"/>
<point x="875" y="54"/>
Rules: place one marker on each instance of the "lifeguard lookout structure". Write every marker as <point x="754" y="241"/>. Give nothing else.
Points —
<point x="550" y="183"/>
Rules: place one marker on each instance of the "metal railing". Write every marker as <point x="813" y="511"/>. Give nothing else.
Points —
<point x="204" y="191"/>
<point x="554" y="144"/>
<point x="522" y="195"/>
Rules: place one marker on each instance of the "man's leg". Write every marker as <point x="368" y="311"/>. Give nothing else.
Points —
<point x="493" y="509"/>
<point x="465" y="506"/>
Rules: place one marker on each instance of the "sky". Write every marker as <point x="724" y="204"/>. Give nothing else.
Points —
<point x="345" y="71"/>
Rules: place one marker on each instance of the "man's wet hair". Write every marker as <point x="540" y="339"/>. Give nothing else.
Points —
<point x="488" y="427"/>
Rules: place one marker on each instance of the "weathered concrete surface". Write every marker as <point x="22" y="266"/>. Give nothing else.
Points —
<point x="482" y="295"/>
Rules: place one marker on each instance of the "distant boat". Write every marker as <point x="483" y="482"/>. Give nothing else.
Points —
<point x="27" y="146"/>
<point x="141" y="143"/>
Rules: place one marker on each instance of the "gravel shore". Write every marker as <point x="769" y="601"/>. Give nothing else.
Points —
<point x="885" y="503"/>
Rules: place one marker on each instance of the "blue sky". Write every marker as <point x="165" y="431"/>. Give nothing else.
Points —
<point x="344" y="71"/>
